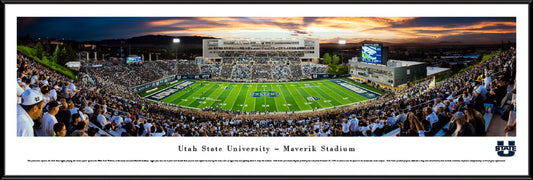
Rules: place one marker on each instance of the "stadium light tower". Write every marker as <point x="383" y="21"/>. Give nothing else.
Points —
<point x="177" y="42"/>
<point x="342" y="42"/>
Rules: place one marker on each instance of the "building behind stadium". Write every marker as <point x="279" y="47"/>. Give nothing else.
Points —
<point x="374" y="66"/>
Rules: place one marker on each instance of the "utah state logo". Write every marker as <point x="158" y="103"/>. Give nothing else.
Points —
<point x="501" y="148"/>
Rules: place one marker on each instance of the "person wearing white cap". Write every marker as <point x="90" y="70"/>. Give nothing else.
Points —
<point x="49" y="118"/>
<point x="20" y="90"/>
<point x="34" y="78"/>
<point x="45" y="81"/>
<point x="30" y="108"/>
<point x="53" y="93"/>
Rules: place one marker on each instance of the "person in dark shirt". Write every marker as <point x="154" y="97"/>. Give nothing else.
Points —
<point x="476" y="119"/>
<point x="477" y="102"/>
<point x="459" y="106"/>
<point x="64" y="114"/>
<point x="464" y="128"/>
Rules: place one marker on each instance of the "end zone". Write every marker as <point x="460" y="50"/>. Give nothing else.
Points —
<point x="357" y="89"/>
<point x="159" y="96"/>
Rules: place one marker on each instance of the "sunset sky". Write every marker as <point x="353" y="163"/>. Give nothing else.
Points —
<point x="465" y="30"/>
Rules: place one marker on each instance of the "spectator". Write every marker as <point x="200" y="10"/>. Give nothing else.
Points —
<point x="101" y="119"/>
<point x="20" y="90"/>
<point x="53" y="93"/>
<point x="79" y="129"/>
<point x="60" y="129"/>
<point x="92" y="132"/>
<point x="476" y="119"/>
<point x="30" y="109"/>
<point x="49" y="119"/>
<point x="76" y="119"/>
<point x="89" y="109"/>
<point x="64" y="114"/>
<point x="463" y="128"/>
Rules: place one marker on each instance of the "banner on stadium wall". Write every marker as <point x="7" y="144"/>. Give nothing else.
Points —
<point x="153" y="84"/>
<point x="328" y="76"/>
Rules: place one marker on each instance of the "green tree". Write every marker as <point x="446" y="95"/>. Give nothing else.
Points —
<point x="70" y="53"/>
<point x="55" y="55"/>
<point x="327" y="58"/>
<point x="62" y="57"/>
<point x="331" y="69"/>
<point x="39" y="50"/>
<point x="335" y="60"/>
<point x="337" y="69"/>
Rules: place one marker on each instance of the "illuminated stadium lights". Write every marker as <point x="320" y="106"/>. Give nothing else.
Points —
<point x="342" y="41"/>
<point x="176" y="41"/>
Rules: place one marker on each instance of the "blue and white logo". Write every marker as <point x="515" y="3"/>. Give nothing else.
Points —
<point x="226" y="87"/>
<point x="312" y="98"/>
<point x="510" y="148"/>
<point x="265" y="93"/>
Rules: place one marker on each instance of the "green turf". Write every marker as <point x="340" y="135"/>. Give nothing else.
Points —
<point x="292" y="96"/>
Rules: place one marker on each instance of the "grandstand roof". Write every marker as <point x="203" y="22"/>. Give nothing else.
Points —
<point x="435" y="70"/>
<point x="399" y="63"/>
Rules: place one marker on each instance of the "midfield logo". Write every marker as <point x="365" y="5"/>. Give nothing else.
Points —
<point x="312" y="98"/>
<point x="511" y="148"/>
<point x="265" y="93"/>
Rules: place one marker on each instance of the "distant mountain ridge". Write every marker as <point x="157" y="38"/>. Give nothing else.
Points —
<point x="153" y="41"/>
<point x="195" y="42"/>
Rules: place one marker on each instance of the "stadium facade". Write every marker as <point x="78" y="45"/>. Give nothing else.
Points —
<point x="307" y="50"/>
<point x="394" y="74"/>
<point x="261" y="60"/>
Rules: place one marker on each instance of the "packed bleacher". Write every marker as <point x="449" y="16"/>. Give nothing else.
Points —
<point x="241" y="72"/>
<point x="263" y="72"/>
<point x="281" y="72"/>
<point x="213" y="69"/>
<point x="296" y="70"/>
<point x="225" y="71"/>
<point x="310" y="69"/>
<point x="50" y="104"/>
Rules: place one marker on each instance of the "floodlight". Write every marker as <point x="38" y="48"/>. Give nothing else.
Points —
<point x="342" y="41"/>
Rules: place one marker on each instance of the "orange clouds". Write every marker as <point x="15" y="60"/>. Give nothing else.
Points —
<point x="329" y="28"/>
<point x="166" y="22"/>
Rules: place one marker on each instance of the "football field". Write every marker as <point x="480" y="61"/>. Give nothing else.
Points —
<point x="263" y="97"/>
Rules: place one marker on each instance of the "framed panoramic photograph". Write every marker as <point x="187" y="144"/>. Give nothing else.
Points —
<point x="266" y="90"/>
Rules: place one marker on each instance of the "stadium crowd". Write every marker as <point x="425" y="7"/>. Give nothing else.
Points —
<point x="241" y="72"/>
<point x="281" y="72"/>
<point x="310" y="69"/>
<point x="225" y="71"/>
<point x="262" y="72"/>
<point x="213" y="69"/>
<point x="50" y="104"/>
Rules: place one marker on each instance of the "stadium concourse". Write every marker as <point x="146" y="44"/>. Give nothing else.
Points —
<point x="102" y="104"/>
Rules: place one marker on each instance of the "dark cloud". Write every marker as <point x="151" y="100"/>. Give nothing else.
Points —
<point x="300" y="32"/>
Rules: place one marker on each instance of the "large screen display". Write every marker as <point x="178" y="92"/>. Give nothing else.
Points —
<point x="135" y="59"/>
<point x="371" y="54"/>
